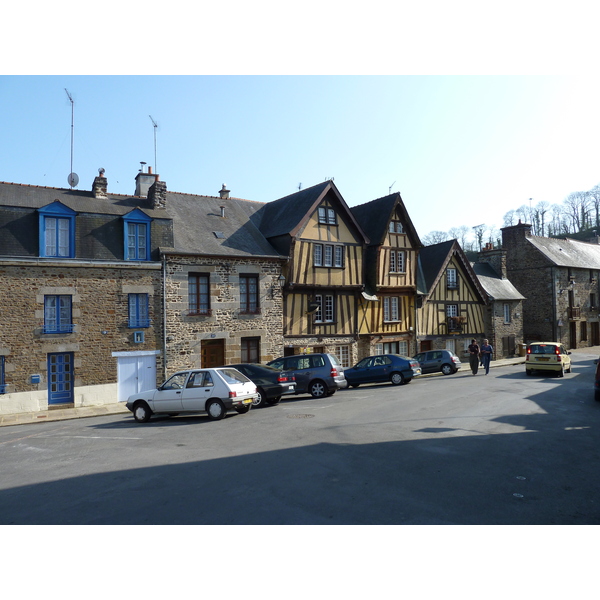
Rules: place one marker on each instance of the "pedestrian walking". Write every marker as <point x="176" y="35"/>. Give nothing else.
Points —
<point x="486" y="355"/>
<point x="474" y="356"/>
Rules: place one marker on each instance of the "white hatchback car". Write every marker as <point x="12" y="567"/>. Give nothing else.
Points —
<point x="210" y="391"/>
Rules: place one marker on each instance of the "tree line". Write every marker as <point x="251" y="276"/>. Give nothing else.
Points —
<point x="578" y="212"/>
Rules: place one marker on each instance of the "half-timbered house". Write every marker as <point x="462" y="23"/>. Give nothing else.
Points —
<point x="451" y="304"/>
<point x="387" y="318"/>
<point x="324" y="275"/>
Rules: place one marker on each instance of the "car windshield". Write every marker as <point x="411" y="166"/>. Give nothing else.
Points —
<point x="233" y="376"/>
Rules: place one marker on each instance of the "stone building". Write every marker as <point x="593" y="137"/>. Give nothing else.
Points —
<point x="80" y="319"/>
<point x="559" y="279"/>
<point x="504" y="313"/>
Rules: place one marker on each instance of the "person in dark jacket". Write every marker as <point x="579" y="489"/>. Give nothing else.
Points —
<point x="474" y="356"/>
<point x="486" y="355"/>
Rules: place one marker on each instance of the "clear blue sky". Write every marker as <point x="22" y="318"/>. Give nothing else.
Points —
<point x="462" y="150"/>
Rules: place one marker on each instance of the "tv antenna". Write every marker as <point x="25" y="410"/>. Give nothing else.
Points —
<point x="73" y="178"/>
<point x="155" y="127"/>
<point x="390" y="188"/>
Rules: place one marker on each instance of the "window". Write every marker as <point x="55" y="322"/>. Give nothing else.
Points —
<point x="328" y="255"/>
<point x="138" y="310"/>
<point x="249" y="295"/>
<point x="137" y="235"/>
<point x="251" y="350"/>
<point x="57" y="314"/>
<point x="451" y="279"/>
<point x="199" y="294"/>
<point x="57" y="231"/>
<point x="506" y="308"/>
<point x="390" y="309"/>
<point x="396" y="227"/>
<point x="318" y="255"/>
<point x="343" y="355"/>
<point x="326" y="309"/>
<point x="396" y="261"/>
<point x="452" y="310"/>
<point x="327" y="216"/>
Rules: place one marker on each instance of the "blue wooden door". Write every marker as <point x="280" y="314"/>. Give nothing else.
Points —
<point x="60" y="378"/>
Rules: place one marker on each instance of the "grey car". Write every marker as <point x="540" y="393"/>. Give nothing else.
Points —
<point x="316" y="374"/>
<point x="434" y="361"/>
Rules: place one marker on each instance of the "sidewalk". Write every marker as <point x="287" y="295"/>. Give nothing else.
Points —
<point x="62" y="414"/>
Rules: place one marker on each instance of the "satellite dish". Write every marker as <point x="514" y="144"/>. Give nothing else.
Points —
<point x="73" y="179"/>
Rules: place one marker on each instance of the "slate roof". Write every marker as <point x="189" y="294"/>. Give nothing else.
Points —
<point x="34" y="197"/>
<point x="375" y="215"/>
<point x="197" y="222"/>
<point x="496" y="287"/>
<point x="568" y="252"/>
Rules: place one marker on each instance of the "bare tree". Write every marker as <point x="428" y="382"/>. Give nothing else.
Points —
<point x="479" y="231"/>
<point x="539" y="211"/>
<point x="435" y="237"/>
<point x="460" y="233"/>
<point x="578" y="208"/>
<point x="509" y="218"/>
<point x="594" y="196"/>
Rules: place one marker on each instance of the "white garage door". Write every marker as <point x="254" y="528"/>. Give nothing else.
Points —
<point x="135" y="372"/>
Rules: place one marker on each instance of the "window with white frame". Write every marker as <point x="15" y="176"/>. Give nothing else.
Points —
<point x="343" y="355"/>
<point x="331" y="217"/>
<point x="396" y="261"/>
<point x="325" y="311"/>
<point x="506" y="308"/>
<point x="318" y="255"/>
<point x="327" y="216"/>
<point x="452" y="310"/>
<point x="328" y="260"/>
<point x="328" y="255"/>
<point x="339" y="256"/>
<point x="329" y="309"/>
<point x="451" y="279"/>
<point x="390" y="309"/>
<point x="322" y="212"/>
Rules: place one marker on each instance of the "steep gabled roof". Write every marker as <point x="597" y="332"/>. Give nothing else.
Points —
<point x="568" y="252"/>
<point x="289" y="214"/>
<point x="374" y="217"/>
<point x="496" y="287"/>
<point x="433" y="261"/>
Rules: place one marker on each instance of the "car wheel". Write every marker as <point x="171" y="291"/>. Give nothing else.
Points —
<point x="317" y="389"/>
<point x="274" y="401"/>
<point x="397" y="378"/>
<point x="215" y="410"/>
<point x="561" y="373"/>
<point x="569" y="369"/>
<point x="447" y="369"/>
<point x="141" y="412"/>
<point x="260" y="399"/>
<point x="242" y="410"/>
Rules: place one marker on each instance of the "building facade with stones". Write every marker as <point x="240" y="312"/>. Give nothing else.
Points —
<point x="504" y="312"/>
<point x="560" y="281"/>
<point x="81" y="307"/>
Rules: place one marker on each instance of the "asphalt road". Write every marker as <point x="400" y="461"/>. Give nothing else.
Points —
<point x="460" y="449"/>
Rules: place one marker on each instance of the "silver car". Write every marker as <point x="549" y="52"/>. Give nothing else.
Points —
<point x="210" y="391"/>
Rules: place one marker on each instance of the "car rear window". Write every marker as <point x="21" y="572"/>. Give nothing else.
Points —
<point x="233" y="376"/>
<point x="543" y="349"/>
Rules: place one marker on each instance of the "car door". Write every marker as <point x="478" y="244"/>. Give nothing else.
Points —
<point x="361" y="372"/>
<point x="168" y="397"/>
<point x="379" y="368"/>
<point x="198" y="390"/>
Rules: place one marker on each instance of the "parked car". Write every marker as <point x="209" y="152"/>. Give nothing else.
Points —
<point x="381" y="368"/>
<point x="434" y="361"/>
<point x="271" y="383"/>
<point x="597" y="382"/>
<point x="547" y="356"/>
<point x="210" y="391"/>
<point x="316" y="374"/>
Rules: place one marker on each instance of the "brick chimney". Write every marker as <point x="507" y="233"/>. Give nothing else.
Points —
<point x="143" y="181"/>
<point x="157" y="194"/>
<point x="100" y="185"/>
<point x="496" y="258"/>
<point x="224" y="192"/>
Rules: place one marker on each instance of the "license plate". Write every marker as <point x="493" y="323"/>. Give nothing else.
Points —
<point x="247" y="401"/>
<point x="543" y="358"/>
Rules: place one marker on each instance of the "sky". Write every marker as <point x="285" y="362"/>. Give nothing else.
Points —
<point x="461" y="150"/>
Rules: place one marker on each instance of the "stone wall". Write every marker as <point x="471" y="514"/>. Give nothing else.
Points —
<point x="185" y="332"/>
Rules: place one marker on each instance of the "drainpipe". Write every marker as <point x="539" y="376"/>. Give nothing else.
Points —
<point x="554" y="310"/>
<point x="164" y="315"/>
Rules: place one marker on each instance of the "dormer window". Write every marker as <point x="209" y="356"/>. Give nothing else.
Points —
<point x="396" y="227"/>
<point x="137" y="235"/>
<point x="57" y="231"/>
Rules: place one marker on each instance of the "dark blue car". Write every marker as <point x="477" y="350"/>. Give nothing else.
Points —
<point x="383" y="368"/>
